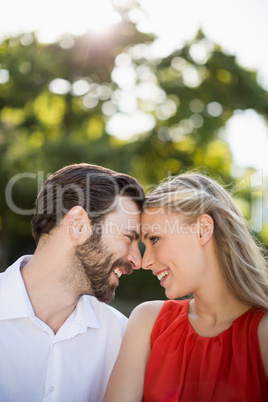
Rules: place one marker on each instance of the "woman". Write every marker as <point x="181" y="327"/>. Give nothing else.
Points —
<point x="213" y="347"/>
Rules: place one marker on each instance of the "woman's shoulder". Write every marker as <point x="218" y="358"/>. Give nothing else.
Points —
<point x="153" y="308"/>
<point x="263" y="326"/>
<point x="263" y="341"/>
<point x="147" y="310"/>
<point x="146" y="314"/>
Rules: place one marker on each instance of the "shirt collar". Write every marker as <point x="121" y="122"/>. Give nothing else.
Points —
<point x="85" y="312"/>
<point x="82" y="318"/>
<point x="14" y="298"/>
<point x="13" y="295"/>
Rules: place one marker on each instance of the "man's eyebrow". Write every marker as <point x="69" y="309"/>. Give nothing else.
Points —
<point x="134" y="233"/>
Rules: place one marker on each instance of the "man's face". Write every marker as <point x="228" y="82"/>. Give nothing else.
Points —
<point x="112" y="250"/>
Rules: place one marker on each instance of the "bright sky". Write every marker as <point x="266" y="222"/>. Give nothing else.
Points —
<point x="239" y="26"/>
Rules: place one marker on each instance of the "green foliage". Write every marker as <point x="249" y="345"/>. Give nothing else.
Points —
<point x="41" y="130"/>
<point x="202" y="96"/>
<point x="44" y="127"/>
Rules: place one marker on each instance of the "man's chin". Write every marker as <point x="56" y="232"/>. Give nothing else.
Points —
<point x="105" y="296"/>
<point x="112" y="294"/>
<point x="108" y="296"/>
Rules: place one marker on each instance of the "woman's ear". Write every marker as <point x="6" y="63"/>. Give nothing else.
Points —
<point x="205" y="229"/>
<point x="78" y="224"/>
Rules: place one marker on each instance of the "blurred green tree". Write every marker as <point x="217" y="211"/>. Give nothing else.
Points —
<point x="55" y="101"/>
<point x="51" y="99"/>
<point x="203" y="88"/>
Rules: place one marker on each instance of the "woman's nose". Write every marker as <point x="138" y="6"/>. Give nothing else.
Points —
<point x="147" y="260"/>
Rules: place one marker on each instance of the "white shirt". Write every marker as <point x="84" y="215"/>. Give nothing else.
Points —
<point x="37" y="365"/>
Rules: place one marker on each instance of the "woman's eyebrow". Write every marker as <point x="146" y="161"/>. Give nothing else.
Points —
<point x="146" y="235"/>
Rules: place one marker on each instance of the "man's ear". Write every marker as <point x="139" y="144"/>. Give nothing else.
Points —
<point x="205" y="229"/>
<point x="78" y="224"/>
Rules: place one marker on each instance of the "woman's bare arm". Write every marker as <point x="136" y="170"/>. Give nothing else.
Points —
<point x="263" y="341"/>
<point x="127" y="378"/>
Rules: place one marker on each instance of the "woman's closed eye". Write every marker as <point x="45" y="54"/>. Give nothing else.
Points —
<point x="153" y="239"/>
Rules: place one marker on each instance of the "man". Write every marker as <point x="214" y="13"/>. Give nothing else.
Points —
<point x="58" y="341"/>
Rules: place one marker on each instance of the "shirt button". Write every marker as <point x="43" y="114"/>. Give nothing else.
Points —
<point x="51" y="389"/>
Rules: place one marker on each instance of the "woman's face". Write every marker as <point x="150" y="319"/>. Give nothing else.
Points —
<point x="173" y="251"/>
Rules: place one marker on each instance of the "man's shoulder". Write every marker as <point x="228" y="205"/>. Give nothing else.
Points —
<point x="13" y="269"/>
<point x="116" y="312"/>
<point x="16" y="264"/>
<point x="106" y="312"/>
<point x="13" y="296"/>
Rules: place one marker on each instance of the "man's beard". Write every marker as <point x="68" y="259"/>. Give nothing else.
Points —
<point x="97" y="264"/>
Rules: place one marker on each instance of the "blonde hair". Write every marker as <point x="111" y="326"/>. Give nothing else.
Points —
<point x="241" y="260"/>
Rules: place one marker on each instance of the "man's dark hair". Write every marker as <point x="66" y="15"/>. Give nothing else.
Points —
<point x="92" y="187"/>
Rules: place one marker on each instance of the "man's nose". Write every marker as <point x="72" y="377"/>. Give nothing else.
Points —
<point x="135" y="257"/>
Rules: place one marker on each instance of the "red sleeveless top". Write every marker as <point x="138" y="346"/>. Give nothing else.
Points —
<point x="184" y="366"/>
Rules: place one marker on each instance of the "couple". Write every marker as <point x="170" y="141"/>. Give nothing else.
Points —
<point x="58" y="341"/>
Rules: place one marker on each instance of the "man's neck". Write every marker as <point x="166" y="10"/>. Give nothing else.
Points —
<point x="52" y="302"/>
